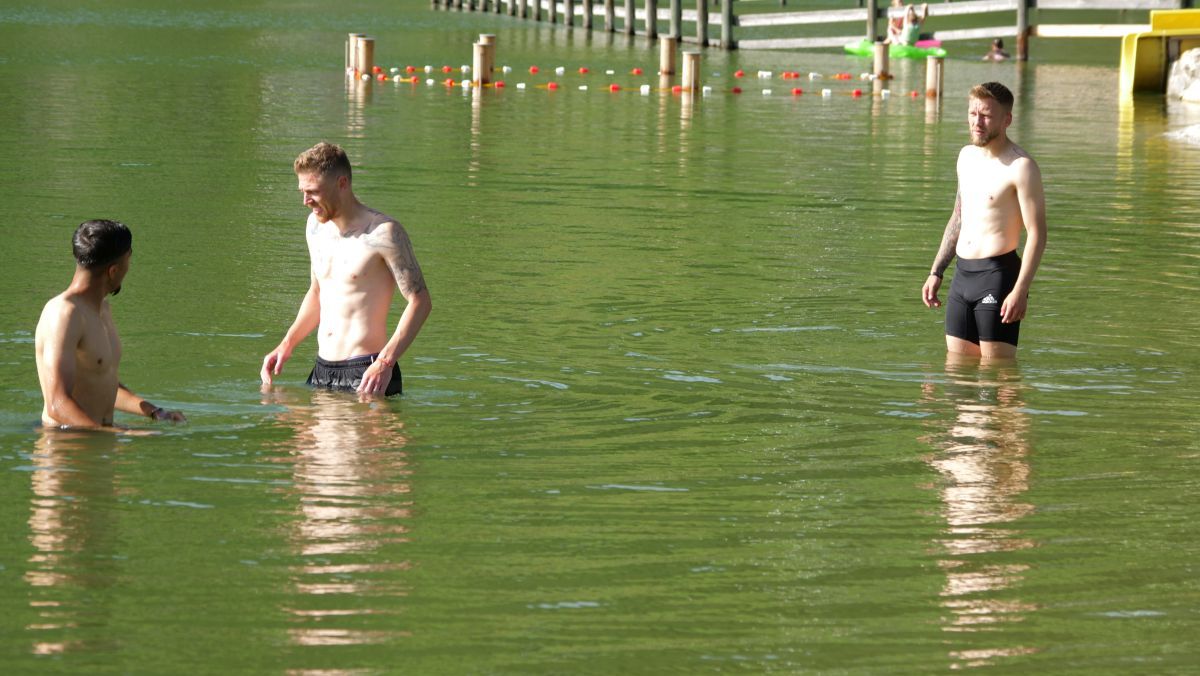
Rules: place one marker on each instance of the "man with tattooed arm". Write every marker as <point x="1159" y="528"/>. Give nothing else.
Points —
<point x="359" y="258"/>
<point x="999" y="195"/>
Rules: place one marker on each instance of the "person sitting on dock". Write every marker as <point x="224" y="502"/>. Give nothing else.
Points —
<point x="908" y="30"/>
<point x="997" y="52"/>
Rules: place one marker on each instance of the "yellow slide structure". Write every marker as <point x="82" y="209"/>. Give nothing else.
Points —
<point x="1146" y="58"/>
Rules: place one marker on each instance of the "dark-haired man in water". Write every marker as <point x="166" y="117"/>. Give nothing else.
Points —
<point x="76" y="345"/>
<point x="999" y="195"/>
<point x="359" y="258"/>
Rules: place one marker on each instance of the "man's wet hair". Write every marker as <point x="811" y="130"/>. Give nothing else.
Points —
<point x="323" y="159"/>
<point x="994" y="91"/>
<point x="99" y="243"/>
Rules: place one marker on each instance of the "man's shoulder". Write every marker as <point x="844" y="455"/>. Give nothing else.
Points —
<point x="59" y="313"/>
<point x="385" y="230"/>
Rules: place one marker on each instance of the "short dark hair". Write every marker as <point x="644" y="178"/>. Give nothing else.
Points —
<point x="995" y="91"/>
<point x="99" y="243"/>
<point x="323" y="159"/>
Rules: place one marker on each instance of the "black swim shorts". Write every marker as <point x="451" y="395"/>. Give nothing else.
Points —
<point x="979" y="287"/>
<point x="347" y="375"/>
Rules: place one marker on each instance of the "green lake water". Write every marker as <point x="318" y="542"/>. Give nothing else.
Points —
<point x="678" y="408"/>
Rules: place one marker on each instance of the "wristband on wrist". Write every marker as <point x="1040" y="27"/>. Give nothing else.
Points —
<point x="935" y="273"/>
<point x="155" y="412"/>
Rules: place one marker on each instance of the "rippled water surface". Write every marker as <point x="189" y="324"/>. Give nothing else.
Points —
<point x="678" y="407"/>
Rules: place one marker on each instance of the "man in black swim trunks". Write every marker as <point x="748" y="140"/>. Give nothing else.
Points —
<point x="359" y="258"/>
<point x="999" y="195"/>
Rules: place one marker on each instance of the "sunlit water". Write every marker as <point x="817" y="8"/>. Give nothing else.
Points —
<point x="678" y="407"/>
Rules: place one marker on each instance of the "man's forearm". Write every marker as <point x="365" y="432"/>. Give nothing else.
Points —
<point x="308" y="318"/>
<point x="410" y="324"/>
<point x="129" y="402"/>
<point x="946" y="251"/>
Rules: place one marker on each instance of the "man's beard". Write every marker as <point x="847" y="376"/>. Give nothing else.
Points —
<point x="982" y="141"/>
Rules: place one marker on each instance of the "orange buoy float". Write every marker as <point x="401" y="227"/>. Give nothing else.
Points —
<point x="614" y="87"/>
<point x="533" y="70"/>
<point x="499" y="84"/>
<point x="583" y="70"/>
<point x="552" y="86"/>
<point x="797" y="91"/>
<point x="856" y="93"/>
<point x="637" y="71"/>
<point x="736" y="90"/>
<point x="739" y="73"/>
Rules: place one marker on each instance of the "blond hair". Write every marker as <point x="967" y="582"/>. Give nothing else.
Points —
<point x="323" y="159"/>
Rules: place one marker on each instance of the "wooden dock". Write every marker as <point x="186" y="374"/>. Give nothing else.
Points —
<point x="749" y="28"/>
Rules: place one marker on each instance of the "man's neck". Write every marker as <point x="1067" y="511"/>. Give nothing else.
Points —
<point x="347" y="220"/>
<point x="89" y="287"/>
<point x="997" y="146"/>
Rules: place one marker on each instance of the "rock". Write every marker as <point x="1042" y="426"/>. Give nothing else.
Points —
<point x="1192" y="93"/>
<point x="1187" y="135"/>
<point x="1184" y="80"/>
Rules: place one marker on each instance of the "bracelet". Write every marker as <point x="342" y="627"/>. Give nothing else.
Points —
<point x="155" y="412"/>
<point x="934" y="273"/>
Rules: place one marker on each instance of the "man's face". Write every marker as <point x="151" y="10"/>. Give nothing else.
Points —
<point x="321" y="194"/>
<point x="986" y="119"/>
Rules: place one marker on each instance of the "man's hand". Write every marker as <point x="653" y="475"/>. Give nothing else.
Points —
<point x="929" y="291"/>
<point x="376" y="378"/>
<point x="170" y="416"/>
<point x="273" y="363"/>
<point x="1013" y="308"/>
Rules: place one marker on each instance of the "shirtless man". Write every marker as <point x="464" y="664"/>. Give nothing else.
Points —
<point x="999" y="195"/>
<point x="76" y="345"/>
<point x="359" y="257"/>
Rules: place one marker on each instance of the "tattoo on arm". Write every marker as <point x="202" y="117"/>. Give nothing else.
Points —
<point x="397" y="252"/>
<point x="945" y="253"/>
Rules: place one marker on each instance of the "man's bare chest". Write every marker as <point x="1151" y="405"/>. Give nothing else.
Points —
<point x="346" y="260"/>
<point x="99" y="348"/>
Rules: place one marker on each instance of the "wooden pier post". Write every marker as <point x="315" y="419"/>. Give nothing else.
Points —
<point x="702" y="22"/>
<point x="881" y="61"/>
<point x="934" y="70"/>
<point x="872" y="15"/>
<point x="1022" y="30"/>
<point x="352" y="49"/>
<point x="676" y="17"/>
<point x="587" y="14"/>
<point x="488" y="40"/>
<point x="691" y="72"/>
<point x="553" y="12"/>
<point x="651" y="19"/>
<point x="727" y="41"/>
<point x="630" y="17"/>
<point x="479" y="75"/>
<point x="610" y="16"/>
<point x="667" y="44"/>
<point x="569" y="12"/>
<point x="364" y="55"/>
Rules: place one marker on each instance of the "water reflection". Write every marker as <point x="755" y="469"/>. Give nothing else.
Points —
<point x="358" y="94"/>
<point x="352" y="491"/>
<point x="982" y="457"/>
<point x="72" y="530"/>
